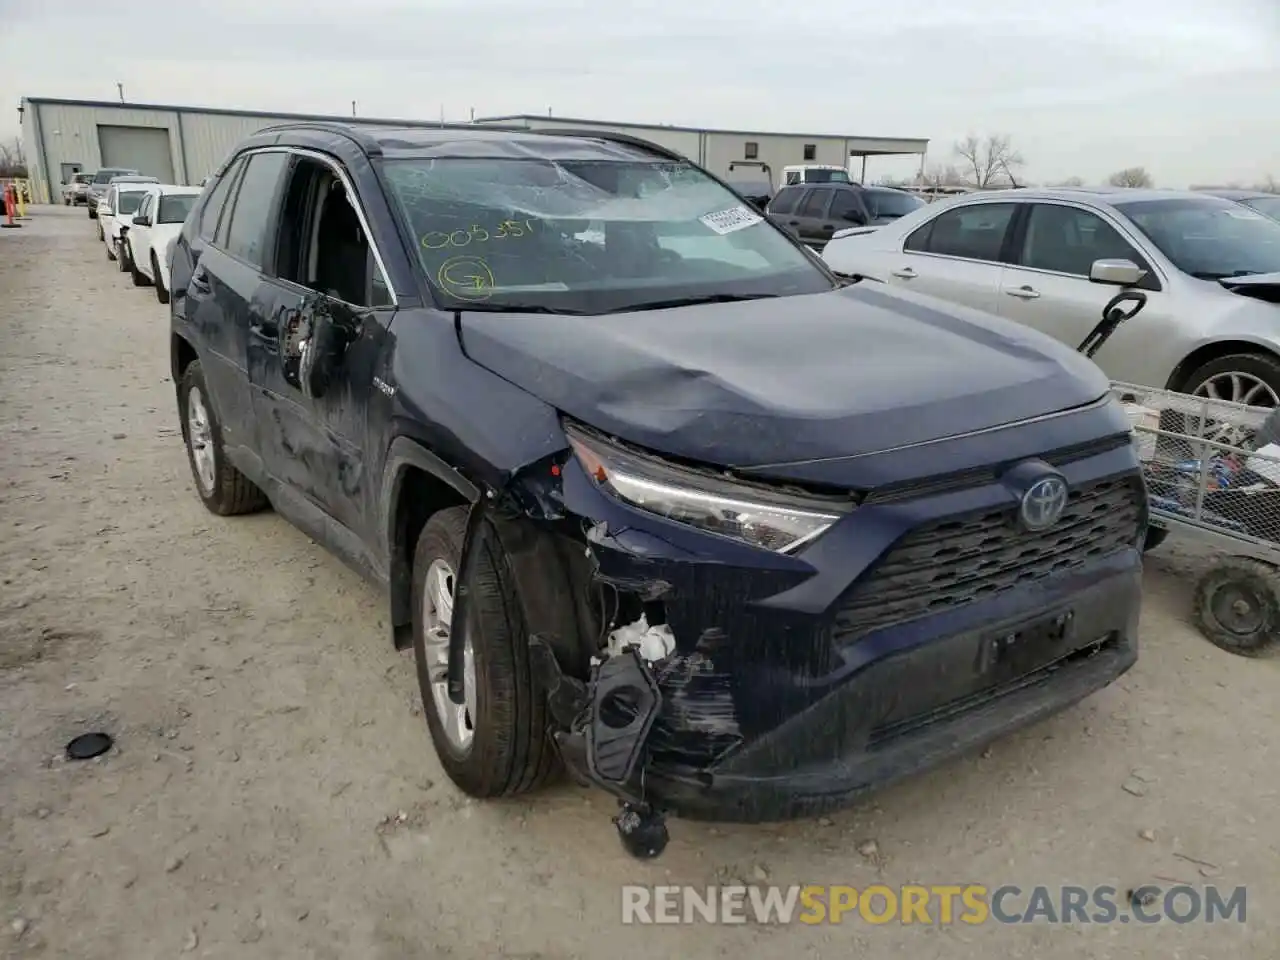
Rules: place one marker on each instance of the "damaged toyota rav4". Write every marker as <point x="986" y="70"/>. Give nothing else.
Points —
<point x="654" y="496"/>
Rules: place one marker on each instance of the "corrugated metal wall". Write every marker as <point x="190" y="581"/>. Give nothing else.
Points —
<point x="198" y="141"/>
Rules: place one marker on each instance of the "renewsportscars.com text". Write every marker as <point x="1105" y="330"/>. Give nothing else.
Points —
<point x="943" y="904"/>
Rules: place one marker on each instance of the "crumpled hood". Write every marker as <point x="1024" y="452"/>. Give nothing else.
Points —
<point x="775" y="381"/>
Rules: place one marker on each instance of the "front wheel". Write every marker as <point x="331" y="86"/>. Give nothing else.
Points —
<point x="223" y="489"/>
<point x="495" y="744"/>
<point x="1248" y="378"/>
<point x="139" y="278"/>
<point x="162" y="294"/>
<point x="122" y="256"/>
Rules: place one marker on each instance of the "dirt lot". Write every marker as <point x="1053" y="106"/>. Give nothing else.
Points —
<point x="274" y="794"/>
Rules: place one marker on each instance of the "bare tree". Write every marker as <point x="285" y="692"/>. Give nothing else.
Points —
<point x="13" y="163"/>
<point x="1131" y="177"/>
<point x="988" y="162"/>
<point x="1270" y="184"/>
<point x="1069" y="182"/>
<point x="941" y="176"/>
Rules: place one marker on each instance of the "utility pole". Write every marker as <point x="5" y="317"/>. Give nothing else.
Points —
<point x="353" y="108"/>
<point x="120" y="90"/>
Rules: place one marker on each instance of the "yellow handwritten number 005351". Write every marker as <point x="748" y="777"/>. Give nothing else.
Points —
<point x="508" y="229"/>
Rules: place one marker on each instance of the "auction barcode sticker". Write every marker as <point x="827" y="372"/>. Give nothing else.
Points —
<point x="727" y="221"/>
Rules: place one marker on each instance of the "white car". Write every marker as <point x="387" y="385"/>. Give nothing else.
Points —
<point x="116" y="210"/>
<point x="1209" y="270"/>
<point x="149" y="237"/>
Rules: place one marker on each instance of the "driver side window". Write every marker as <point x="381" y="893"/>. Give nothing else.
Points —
<point x="322" y="243"/>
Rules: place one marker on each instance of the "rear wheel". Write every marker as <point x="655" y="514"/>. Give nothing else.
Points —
<point x="495" y="744"/>
<point x="223" y="489"/>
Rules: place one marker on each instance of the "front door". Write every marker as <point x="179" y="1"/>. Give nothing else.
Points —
<point x="324" y="270"/>
<point x="1047" y="285"/>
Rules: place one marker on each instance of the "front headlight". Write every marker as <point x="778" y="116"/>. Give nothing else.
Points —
<point x="770" y="519"/>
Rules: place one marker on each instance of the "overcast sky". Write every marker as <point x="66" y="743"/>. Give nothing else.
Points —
<point x="1188" y="88"/>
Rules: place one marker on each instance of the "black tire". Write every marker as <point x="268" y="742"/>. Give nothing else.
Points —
<point x="122" y="256"/>
<point x="111" y="250"/>
<point x="510" y="751"/>
<point x="1155" y="537"/>
<point x="230" y="492"/>
<point x="1237" y="606"/>
<point x="1263" y="366"/>
<point x="139" y="278"/>
<point x="93" y="214"/>
<point x="161" y="293"/>
<point x="101" y="236"/>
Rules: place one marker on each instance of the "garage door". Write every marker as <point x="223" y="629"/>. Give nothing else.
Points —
<point x="145" y="149"/>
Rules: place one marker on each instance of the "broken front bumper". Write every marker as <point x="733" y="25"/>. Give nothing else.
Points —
<point x="790" y="692"/>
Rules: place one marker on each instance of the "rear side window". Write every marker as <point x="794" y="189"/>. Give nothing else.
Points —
<point x="254" y="205"/>
<point x="217" y="199"/>
<point x="974" y="232"/>
<point x="785" y="201"/>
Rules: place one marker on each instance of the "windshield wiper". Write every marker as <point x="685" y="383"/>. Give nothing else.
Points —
<point x="693" y="301"/>
<point x="516" y="308"/>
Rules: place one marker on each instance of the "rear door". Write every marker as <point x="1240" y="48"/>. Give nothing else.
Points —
<point x="226" y="279"/>
<point x="1047" y="287"/>
<point x="957" y="255"/>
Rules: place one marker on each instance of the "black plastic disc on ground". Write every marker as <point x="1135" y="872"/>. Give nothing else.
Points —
<point x="88" y="745"/>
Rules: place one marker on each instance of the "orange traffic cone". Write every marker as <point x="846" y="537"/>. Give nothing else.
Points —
<point x="10" y="202"/>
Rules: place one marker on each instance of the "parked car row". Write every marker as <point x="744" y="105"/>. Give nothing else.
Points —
<point x="138" y="220"/>
<point x="653" y="494"/>
<point x="1051" y="259"/>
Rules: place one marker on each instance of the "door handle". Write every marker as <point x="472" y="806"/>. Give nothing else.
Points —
<point x="793" y="223"/>
<point x="828" y="228"/>
<point x="906" y="273"/>
<point x="1024" y="293"/>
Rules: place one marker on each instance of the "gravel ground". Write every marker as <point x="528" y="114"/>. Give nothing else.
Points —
<point x="273" y="792"/>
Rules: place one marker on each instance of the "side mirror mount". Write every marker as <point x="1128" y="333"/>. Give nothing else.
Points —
<point x="142" y="221"/>
<point x="1119" y="273"/>
<point x="313" y="342"/>
<point x="856" y="217"/>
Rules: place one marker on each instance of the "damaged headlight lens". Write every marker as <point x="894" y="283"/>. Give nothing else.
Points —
<point x="772" y="520"/>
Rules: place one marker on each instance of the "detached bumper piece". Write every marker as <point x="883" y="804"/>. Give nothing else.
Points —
<point x="607" y="724"/>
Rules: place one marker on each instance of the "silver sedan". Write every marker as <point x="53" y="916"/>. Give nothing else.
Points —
<point x="1051" y="259"/>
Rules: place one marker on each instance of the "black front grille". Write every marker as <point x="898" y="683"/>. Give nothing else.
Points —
<point x="948" y="563"/>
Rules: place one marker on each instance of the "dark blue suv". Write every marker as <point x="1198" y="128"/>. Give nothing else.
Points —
<point x="653" y="495"/>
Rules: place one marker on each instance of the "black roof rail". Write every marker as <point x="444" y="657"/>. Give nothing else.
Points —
<point x="613" y="137"/>
<point x="350" y="131"/>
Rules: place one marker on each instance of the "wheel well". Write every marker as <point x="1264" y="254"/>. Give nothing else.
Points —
<point x="420" y="495"/>
<point x="181" y="356"/>
<point x="1213" y="351"/>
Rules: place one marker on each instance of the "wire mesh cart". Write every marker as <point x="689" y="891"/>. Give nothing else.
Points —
<point x="1213" y="476"/>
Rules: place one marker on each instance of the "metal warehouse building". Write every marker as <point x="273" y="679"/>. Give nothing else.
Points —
<point x="183" y="144"/>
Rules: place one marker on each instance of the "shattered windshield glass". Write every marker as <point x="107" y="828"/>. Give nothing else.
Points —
<point x="589" y="236"/>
